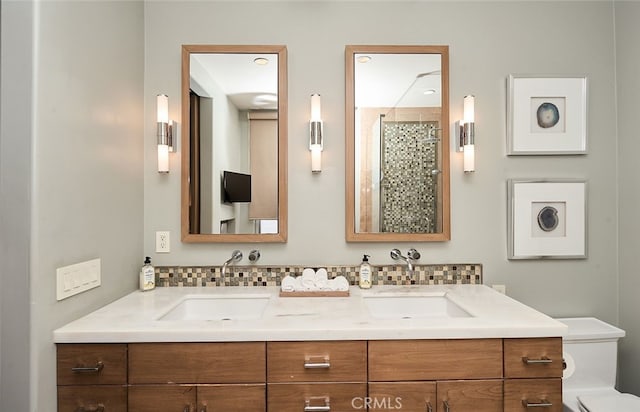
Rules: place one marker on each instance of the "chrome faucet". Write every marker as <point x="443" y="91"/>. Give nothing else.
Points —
<point x="412" y="256"/>
<point x="236" y="256"/>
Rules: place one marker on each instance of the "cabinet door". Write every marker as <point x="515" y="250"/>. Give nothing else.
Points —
<point x="317" y="361"/>
<point x="226" y="362"/>
<point x="521" y="395"/>
<point x="88" y="398"/>
<point x="466" y="396"/>
<point x="165" y="398"/>
<point x="533" y="358"/>
<point x="92" y="364"/>
<point x="316" y="397"/>
<point x="404" y="396"/>
<point x="232" y="398"/>
<point x="418" y="360"/>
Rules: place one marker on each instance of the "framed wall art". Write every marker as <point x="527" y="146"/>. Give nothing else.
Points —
<point x="547" y="219"/>
<point x="546" y="115"/>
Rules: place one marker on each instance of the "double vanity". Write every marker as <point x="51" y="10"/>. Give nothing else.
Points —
<point x="412" y="348"/>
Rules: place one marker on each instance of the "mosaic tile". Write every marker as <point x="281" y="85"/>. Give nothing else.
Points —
<point x="206" y="276"/>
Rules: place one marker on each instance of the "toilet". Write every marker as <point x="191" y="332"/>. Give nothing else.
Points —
<point x="590" y="352"/>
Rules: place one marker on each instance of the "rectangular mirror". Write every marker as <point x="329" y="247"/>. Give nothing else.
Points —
<point x="397" y="143"/>
<point x="234" y="143"/>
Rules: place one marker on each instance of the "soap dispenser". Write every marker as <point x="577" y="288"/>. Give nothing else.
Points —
<point x="365" y="273"/>
<point x="147" y="276"/>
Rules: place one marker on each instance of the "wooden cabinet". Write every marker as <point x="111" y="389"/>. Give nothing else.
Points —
<point x="300" y="397"/>
<point x="318" y="361"/>
<point x="316" y="376"/>
<point x="197" y="398"/>
<point x="226" y="362"/>
<point x="470" y="395"/>
<point x="153" y="398"/>
<point x="533" y="358"/>
<point x="92" y="398"/>
<point x="92" y="377"/>
<point x="407" y="396"/>
<point x="522" y="395"/>
<point x="92" y="364"/>
<point x="411" y="360"/>
<point x="240" y="398"/>
<point x="510" y="375"/>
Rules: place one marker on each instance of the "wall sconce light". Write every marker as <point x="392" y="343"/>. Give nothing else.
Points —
<point x="315" y="134"/>
<point x="466" y="135"/>
<point x="165" y="133"/>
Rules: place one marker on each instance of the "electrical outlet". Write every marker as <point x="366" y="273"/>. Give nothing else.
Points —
<point x="500" y="288"/>
<point x="162" y="242"/>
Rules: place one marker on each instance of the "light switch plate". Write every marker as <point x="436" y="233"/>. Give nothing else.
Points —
<point x="77" y="278"/>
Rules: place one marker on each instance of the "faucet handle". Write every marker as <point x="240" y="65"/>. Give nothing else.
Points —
<point x="395" y="254"/>
<point x="254" y="255"/>
<point x="413" y="254"/>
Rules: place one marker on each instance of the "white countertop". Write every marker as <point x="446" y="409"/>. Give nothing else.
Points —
<point x="134" y="318"/>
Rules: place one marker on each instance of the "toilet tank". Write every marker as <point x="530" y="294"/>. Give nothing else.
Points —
<point x="590" y="351"/>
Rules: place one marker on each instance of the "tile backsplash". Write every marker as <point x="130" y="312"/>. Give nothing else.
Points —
<point x="208" y="276"/>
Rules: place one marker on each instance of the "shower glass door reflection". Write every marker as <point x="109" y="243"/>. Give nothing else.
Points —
<point x="409" y="176"/>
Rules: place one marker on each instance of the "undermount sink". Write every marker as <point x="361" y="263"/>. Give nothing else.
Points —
<point x="393" y="306"/>
<point x="218" y="307"/>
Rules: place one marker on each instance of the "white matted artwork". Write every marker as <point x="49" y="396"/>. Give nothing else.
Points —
<point x="546" y="115"/>
<point x="547" y="219"/>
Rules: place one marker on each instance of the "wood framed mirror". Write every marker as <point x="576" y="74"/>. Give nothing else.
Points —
<point x="397" y="143"/>
<point x="234" y="144"/>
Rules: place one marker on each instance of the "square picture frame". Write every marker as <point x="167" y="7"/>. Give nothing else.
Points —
<point x="547" y="219"/>
<point x="546" y="115"/>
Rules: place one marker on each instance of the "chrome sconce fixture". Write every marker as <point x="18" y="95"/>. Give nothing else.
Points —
<point x="465" y="141"/>
<point x="165" y="133"/>
<point x="315" y="134"/>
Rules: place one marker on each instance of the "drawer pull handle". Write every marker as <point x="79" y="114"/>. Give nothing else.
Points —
<point x="311" y="404"/>
<point x="204" y="408"/>
<point x="429" y="407"/>
<point x="317" y="362"/>
<point x="187" y="408"/>
<point x="447" y="408"/>
<point x="94" y="369"/>
<point x="543" y="403"/>
<point x="94" y="408"/>
<point x="542" y="361"/>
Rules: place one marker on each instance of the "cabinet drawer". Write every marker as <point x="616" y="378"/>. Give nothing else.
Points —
<point x="232" y="398"/>
<point x="318" y="361"/>
<point x="533" y="358"/>
<point x="155" y="398"/>
<point x="318" y="397"/>
<point x="406" y="396"/>
<point x="522" y="395"/>
<point x="87" y="398"/>
<point x="228" y="362"/>
<point x="466" y="396"/>
<point x="414" y="360"/>
<point x="92" y="364"/>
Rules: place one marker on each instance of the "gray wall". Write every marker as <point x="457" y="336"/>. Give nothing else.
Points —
<point x="487" y="42"/>
<point x="83" y="162"/>
<point x="87" y="176"/>
<point x="628" y="68"/>
<point x="15" y="188"/>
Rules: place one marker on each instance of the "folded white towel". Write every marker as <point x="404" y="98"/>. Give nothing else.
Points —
<point x="288" y="284"/>
<point x="321" y="279"/>
<point x="308" y="279"/>
<point x="339" y="283"/>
